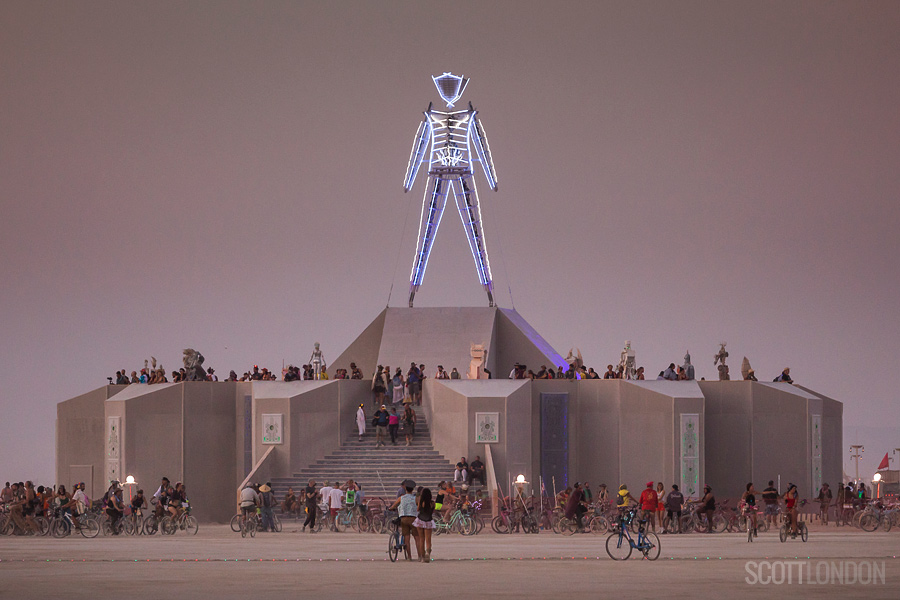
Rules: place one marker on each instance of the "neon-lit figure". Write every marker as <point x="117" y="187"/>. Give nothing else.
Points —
<point x="451" y="135"/>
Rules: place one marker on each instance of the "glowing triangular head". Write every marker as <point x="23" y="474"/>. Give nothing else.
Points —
<point x="450" y="87"/>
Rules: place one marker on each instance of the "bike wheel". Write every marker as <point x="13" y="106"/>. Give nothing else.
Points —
<point x="761" y="525"/>
<point x="499" y="524"/>
<point x="651" y="546"/>
<point x="783" y="533"/>
<point x="393" y="547"/>
<point x="60" y="528"/>
<point x="90" y="527"/>
<point x="804" y="532"/>
<point x="236" y="523"/>
<point x="719" y="523"/>
<point x="479" y="523"/>
<point x="341" y="522"/>
<point x="868" y="522"/>
<point x="599" y="524"/>
<point x="43" y="525"/>
<point x="361" y="523"/>
<point x="276" y="523"/>
<point x="886" y="522"/>
<point x="554" y="524"/>
<point x="191" y="525"/>
<point x="128" y="526"/>
<point x="377" y="525"/>
<point x="618" y="546"/>
<point x="530" y="524"/>
<point x="567" y="526"/>
<point x="635" y="525"/>
<point x="467" y="525"/>
<point x="167" y="526"/>
<point x="252" y="526"/>
<point x="151" y="525"/>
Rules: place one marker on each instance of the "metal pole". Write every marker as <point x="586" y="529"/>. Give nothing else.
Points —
<point x="856" y="451"/>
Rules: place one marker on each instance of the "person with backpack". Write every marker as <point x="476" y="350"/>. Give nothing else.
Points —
<point x="267" y="505"/>
<point x="380" y="421"/>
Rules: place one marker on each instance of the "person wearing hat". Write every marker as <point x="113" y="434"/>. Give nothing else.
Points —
<point x="407" y="511"/>
<point x="114" y="506"/>
<point x="624" y="498"/>
<point x="649" y="503"/>
<point x="267" y="505"/>
<point x="751" y="376"/>
<point x="355" y="373"/>
<point x="785" y="376"/>
<point x="380" y="420"/>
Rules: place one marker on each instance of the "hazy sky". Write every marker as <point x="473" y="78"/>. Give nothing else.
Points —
<point x="227" y="176"/>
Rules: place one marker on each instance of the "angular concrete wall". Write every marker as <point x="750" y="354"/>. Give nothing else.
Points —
<point x="451" y="408"/>
<point x="729" y="436"/>
<point x="443" y="336"/>
<point x="80" y="450"/>
<point x="616" y="431"/>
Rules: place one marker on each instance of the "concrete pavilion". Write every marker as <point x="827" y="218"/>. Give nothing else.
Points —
<point x="214" y="436"/>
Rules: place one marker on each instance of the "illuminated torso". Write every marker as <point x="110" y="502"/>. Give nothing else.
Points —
<point x="450" y="139"/>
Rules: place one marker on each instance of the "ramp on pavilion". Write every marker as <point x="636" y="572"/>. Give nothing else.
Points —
<point x="443" y="336"/>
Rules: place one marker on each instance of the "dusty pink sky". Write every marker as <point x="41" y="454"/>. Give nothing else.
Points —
<point x="227" y="176"/>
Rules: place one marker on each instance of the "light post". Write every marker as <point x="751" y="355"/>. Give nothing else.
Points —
<point x="876" y="481"/>
<point x="856" y="451"/>
<point x="130" y="485"/>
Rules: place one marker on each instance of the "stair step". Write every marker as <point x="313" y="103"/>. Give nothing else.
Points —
<point x="378" y="470"/>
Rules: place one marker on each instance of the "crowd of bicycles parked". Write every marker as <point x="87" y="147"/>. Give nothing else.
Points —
<point x="41" y="510"/>
<point x="458" y="508"/>
<point x="342" y="507"/>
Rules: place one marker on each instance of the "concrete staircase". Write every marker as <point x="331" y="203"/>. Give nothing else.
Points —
<point x="364" y="463"/>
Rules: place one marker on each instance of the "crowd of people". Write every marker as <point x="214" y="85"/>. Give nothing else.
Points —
<point x="27" y="503"/>
<point x="152" y="375"/>
<point x="397" y="385"/>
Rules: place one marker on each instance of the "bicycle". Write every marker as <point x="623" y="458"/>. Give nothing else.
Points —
<point x="249" y="525"/>
<point x="151" y="524"/>
<point x="396" y="542"/>
<point x="620" y="544"/>
<point x="785" y="527"/>
<point x="62" y="524"/>
<point x="113" y="529"/>
<point x="134" y="523"/>
<point x="746" y="519"/>
<point x="459" y="523"/>
<point x="183" y="521"/>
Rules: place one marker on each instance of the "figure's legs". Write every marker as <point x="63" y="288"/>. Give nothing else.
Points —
<point x="432" y="209"/>
<point x="470" y="213"/>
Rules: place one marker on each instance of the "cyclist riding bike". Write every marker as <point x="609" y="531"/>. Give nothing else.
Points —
<point x="159" y="498"/>
<point x="249" y="502"/>
<point x="790" y="504"/>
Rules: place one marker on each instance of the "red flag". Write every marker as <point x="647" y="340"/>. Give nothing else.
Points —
<point x="884" y="462"/>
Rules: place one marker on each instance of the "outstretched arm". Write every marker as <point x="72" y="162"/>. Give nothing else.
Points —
<point x="479" y="139"/>
<point x="420" y="147"/>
